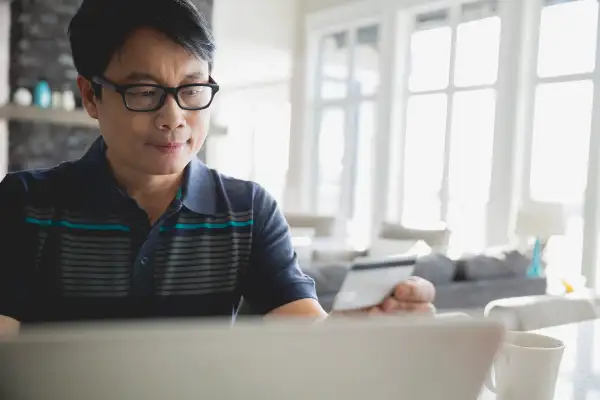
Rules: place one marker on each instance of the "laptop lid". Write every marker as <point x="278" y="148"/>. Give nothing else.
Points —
<point x="378" y="358"/>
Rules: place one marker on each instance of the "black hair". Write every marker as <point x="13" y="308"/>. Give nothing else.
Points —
<point x="100" y="28"/>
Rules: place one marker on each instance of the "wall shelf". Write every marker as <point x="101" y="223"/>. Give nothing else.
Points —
<point x="47" y="115"/>
<point x="68" y="118"/>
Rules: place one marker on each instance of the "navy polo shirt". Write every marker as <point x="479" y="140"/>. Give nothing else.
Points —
<point x="76" y="247"/>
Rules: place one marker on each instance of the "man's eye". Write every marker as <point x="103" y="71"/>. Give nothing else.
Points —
<point x="191" y="92"/>
<point x="143" y="92"/>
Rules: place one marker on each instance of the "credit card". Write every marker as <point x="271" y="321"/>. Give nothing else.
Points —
<point x="368" y="284"/>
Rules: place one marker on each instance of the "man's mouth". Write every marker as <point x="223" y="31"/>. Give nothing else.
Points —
<point x="169" y="147"/>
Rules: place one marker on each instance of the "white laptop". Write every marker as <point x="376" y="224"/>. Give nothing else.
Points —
<point x="381" y="358"/>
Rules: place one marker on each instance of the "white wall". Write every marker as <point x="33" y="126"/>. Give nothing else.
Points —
<point x="232" y="153"/>
<point x="253" y="65"/>
<point x="255" y="41"/>
<point x="4" y="83"/>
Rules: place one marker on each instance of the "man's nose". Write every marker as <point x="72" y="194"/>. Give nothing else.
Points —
<point x="170" y="115"/>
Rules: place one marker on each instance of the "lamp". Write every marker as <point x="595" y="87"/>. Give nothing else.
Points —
<point x="540" y="221"/>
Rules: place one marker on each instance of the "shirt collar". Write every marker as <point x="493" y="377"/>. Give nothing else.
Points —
<point x="198" y="193"/>
<point x="199" y="188"/>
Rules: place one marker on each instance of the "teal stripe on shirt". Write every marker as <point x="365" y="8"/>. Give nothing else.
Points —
<point x="67" y="224"/>
<point x="123" y="228"/>
<point x="209" y="225"/>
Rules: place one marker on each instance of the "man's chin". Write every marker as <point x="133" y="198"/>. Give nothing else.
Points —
<point x="165" y="168"/>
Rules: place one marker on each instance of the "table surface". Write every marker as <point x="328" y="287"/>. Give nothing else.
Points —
<point x="579" y="376"/>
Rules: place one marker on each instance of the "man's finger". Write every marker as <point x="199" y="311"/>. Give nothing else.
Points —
<point x="375" y="311"/>
<point x="416" y="290"/>
<point x="392" y="305"/>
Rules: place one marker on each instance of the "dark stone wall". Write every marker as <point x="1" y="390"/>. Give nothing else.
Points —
<point x="40" y="50"/>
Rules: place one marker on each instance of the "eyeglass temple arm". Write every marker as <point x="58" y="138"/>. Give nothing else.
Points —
<point x="104" y="82"/>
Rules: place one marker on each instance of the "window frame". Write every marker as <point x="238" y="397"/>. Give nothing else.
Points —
<point x="533" y="81"/>
<point x="350" y="20"/>
<point x="501" y="86"/>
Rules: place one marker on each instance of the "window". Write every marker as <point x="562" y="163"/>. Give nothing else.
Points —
<point x="344" y="114"/>
<point x="450" y="119"/>
<point x="561" y="135"/>
<point x="335" y="68"/>
<point x="567" y="38"/>
<point x="490" y="105"/>
<point x="563" y="102"/>
<point x="331" y="148"/>
<point x="424" y="159"/>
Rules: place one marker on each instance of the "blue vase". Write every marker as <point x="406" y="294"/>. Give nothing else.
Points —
<point x="535" y="268"/>
<point x="42" y="95"/>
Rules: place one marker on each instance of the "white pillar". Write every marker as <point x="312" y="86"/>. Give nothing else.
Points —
<point x="388" y="147"/>
<point x="503" y="183"/>
<point x="296" y="198"/>
<point x="591" y="216"/>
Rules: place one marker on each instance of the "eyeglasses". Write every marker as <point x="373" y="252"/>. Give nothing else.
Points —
<point x="148" y="97"/>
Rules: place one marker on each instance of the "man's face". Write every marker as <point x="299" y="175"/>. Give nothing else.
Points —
<point x="160" y="142"/>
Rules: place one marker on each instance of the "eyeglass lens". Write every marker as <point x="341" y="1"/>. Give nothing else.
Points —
<point x="143" y="98"/>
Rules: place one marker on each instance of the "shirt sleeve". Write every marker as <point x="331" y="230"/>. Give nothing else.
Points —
<point x="15" y="279"/>
<point x="273" y="278"/>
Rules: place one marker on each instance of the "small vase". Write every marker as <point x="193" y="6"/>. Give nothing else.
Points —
<point x="68" y="100"/>
<point x="23" y="97"/>
<point x="42" y="96"/>
<point x="57" y="100"/>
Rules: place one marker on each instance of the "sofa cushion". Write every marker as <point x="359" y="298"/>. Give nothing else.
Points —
<point x="436" y="268"/>
<point x="470" y="295"/>
<point x="481" y="268"/>
<point x="517" y="262"/>
<point x="504" y="265"/>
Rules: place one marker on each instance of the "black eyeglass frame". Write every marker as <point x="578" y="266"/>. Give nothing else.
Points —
<point x="174" y="91"/>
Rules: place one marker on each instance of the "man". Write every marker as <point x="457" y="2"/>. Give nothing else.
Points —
<point x="139" y="227"/>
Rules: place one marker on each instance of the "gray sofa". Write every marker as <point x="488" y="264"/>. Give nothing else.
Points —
<point x="468" y="283"/>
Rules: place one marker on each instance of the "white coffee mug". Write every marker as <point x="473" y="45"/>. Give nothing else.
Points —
<point x="526" y="367"/>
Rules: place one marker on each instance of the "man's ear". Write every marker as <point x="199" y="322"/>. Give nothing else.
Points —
<point x="88" y="98"/>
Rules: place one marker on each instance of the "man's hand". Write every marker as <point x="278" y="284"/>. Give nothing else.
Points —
<point x="8" y="327"/>
<point x="415" y="295"/>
